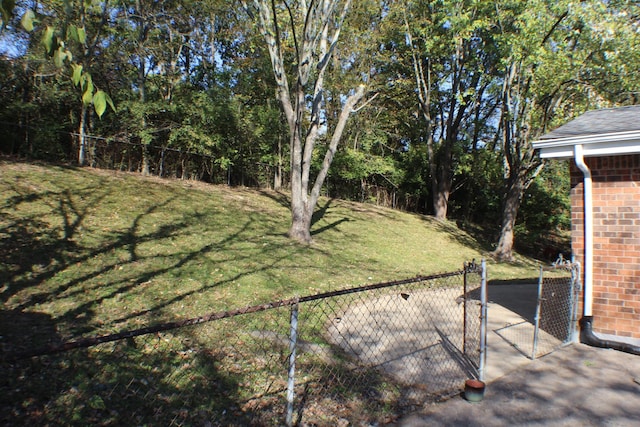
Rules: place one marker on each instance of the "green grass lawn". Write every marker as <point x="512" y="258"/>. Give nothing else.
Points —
<point x="88" y="252"/>
<point x="101" y="251"/>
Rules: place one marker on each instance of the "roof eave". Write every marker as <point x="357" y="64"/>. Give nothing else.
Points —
<point x="609" y="144"/>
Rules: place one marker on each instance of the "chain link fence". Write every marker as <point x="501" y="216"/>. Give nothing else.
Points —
<point x="554" y="321"/>
<point x="125" y="155"/>
<point x="364" y="354"/>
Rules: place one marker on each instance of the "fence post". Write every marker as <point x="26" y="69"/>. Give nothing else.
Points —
<point x="483" y="322"/>
<point x="536" y="329"/>
<point x="293" y="339"/>
<point x="575" y="294"/>
<point x="464" y="310"/>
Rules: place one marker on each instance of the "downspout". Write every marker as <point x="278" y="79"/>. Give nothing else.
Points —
<point x="587" y="336"/>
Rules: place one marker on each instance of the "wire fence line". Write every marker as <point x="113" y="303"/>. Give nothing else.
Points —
<point x="229" y="167"/>
<point x="362" y="354"/>
<point x="126" y="155"/>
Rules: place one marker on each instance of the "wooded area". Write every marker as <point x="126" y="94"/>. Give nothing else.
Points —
<point x="427" y="106"/>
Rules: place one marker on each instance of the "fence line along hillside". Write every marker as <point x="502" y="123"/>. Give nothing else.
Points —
<point x="360" y="354"/>
<point x="124" y="153"/>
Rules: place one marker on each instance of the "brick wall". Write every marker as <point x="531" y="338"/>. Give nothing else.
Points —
<point x="616" y="274"/>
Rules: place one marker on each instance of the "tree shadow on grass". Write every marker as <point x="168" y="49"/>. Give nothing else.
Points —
<point x="318" y="214"/>
<point x="131" y="382"/>
<point x="34" y="252"/>
<point x="279" y="197"/>
<point x="150" y="380"/>
<point x="470" y="236"/>
<point x="30" y="246"/>
<point x="21" y="331"/>
<point x="342" y="391"/>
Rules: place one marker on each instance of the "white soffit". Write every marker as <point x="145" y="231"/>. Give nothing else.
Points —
<point x="610" y="144"/>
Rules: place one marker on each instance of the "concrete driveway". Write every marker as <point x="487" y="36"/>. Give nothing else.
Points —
<point x="576" y="385"/>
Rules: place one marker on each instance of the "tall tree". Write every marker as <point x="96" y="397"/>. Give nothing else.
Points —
<point x="449" y="44"/>
<point x="69" y="32"/>
<point x="527" y="32"/>
<point x="557" y="59"/>
<point x="312" y="29"/>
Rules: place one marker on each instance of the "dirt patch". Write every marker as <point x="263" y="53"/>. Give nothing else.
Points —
<point x="415" y="338"/>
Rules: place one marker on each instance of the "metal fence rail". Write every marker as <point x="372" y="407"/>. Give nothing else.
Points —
<point x="359" y="354"/>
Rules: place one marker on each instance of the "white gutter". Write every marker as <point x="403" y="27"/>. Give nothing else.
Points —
<point x="614" y="137"/>
<point x="588" y="229"/>
<point x="610" y="144"/>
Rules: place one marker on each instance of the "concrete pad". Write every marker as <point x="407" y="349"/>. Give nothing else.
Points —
<point x="505" y="351"/>
<point x="577" y="385"/>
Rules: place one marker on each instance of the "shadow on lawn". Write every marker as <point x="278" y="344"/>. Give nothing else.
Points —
<point x="34" y="252"/>
<point x="318" y="214"/>
<point x="132" y="381"/>
<point x="465" y="234"/>
<point x="135" y="381"/>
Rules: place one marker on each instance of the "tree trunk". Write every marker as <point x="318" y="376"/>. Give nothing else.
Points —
<point x="300" y="220"/>
<point x="441" y="198"/>
<point x="82" y="140"/>
<point x="443" y="182"/>
<point x="511" y="204"/>
<point x="277" y="176"/>
<point x="146" y="169"/>
<point x="301" y="215"/>
<point x="303" y="200"/>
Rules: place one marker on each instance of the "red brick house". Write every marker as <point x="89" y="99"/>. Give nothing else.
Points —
<point x="604" y="148"/>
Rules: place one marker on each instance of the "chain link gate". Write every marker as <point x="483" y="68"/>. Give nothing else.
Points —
<point x="552" y="324"/>
<point x="556" y="309"/>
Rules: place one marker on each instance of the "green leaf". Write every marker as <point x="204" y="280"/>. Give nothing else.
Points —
<point x="100" y="102"/>
<point x="87" y="96"/>
<point x="82" y="35"/>
<point x="58" y="57"/>
<point x="110" y="102"/>
<point x="27" y="20"/>
<point x="86" y="79"/>
<point x="72" y="32"/>
<point x="96" y="402"/>
<point x="77" y="73"/>
<point x="47" y="39"/>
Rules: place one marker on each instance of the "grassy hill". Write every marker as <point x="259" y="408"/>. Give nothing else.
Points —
<point x="100" y="251"/>
<point x="88" y="252"/>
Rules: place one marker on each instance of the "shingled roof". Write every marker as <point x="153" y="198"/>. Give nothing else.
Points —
<point x="606" y="132"/>
<point x="598" y="122"/>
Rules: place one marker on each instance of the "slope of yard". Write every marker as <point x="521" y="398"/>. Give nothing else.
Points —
<point x="100" y="250"/>
<point x="88" y="252"/>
